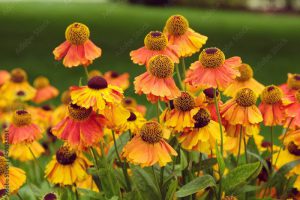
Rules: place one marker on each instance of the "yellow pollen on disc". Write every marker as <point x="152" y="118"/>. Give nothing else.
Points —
<point x="41" y="82"/>
<point x="271" y="94"/>
<point x="294" y="81"/>
<point x="185" y="102"/>
<point x="177" y="25"/>
<point x="18" y="75"/>
<point x="161" y="66"/>
<point x="245" y="71"/>
<point x="245" y="97"/>
<point x="3" y="165"/>
<point x="151" y="132"/>
<point x="79" y="113"/>
<point x="21" y="118"/>
<point x="212" y="57"/>
<point x="155" y="40"/>
<point x="77" y="33"/>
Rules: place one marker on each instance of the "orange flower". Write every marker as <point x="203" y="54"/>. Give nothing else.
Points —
<point x="179" y="33"/>
<point x="4" y="76"/>
<point x="97" y="94"/>
<point x="149" y="147"/>
<point x="292" y="136"/>
<point x="156" y="43"/>
<point x="82" y="127"/>
<point x="120" y="80"/>
<point x="212" y="70"/>
<point x="77" y="49"/>
<point x="61" y="111"/>
<point x="22" y="129"/>
<point x="205" y="134"/>
<point x="242" y="109"/>
<point x="44" y="91"/>
<point x="292" y="85"/>
<point x="131" y="103"/>
<point x="158" y="83"/>
<point x="273" y="106"/>
<point x="179" y="116"/>
<point x="292" y="111"/>
<point x="245" y="80"/>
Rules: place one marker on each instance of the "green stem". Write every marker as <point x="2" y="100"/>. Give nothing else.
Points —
<point x="124" y="167"/>
<point x="156" y="181"/>
<point x="240" y="144"/>
<point x="162" y="176"/>
<point x="35" y="159"/>
<point x="157" y="110"/>
<point x="245" y="146"/>
<point x="272" y="150"/>
<point x="179" y="76"/>
<point x="219" y="119"/>
<point x="86" y="73"/>
<point x="76" y="193"/>
<point x="282" y="144"/>
<point x="20" y="197"/>
<point x="184" y="70"/>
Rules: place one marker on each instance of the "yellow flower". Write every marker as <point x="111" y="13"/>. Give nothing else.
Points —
<point x="67" y="167"/>
<point x="97" y="94"/>
<point x="88" y="184"/>
<point x="17" y="176"/>
<point x="21" y="151"/>
<point x="133" y="124"/>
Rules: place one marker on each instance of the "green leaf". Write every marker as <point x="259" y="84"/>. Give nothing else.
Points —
<point x="261" y="159"/>
<point x="195" y="185"/>
<point x="171" y="190"/>
<point x="91" y="194"/>
<point x="240" y="176"/>
<point x="280" y="174"/>
<point x="121" y="141"/>
<point x="183" y="160"/>
<point x="205" y="164"/>
<point x="145" y="183"/>
<point x="220" y="160"/>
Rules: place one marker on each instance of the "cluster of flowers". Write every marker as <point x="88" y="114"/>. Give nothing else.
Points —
<point x="92" y="116"/>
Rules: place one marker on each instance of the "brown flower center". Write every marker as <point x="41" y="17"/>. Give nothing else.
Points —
<point x="65" y="155"/>
<point x="18" y="75"/>
<point x="294" y="81"/>
<point x="177" y="25"/>
<point x="77" y="33"/>
<point x="211" y="57"/>
<point x="293" y="149"/>
<point x="210" y="93"/>
<point x="155" y="40"/>
<point x="245" y="97"/>
<point x="129" y="102"/>
<point x="245" y="71"/>
<point x="202" y="118"/>
<point x="151" y="132"/>
<point x="79" y="113"/>
<point x="161" y="66"/>
<point x="132" y="117"/>
<point x="50" y="196"/>
<point x="271" y="94"/>
<point x="41" y="82"/>
<point x="185" y="102"/>
<point x="21" y="118"/>
<point x="97" y="83"/>
<point x="114" y="74"/>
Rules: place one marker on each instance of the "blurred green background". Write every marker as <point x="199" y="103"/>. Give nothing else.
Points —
<point x="30" y="31"/>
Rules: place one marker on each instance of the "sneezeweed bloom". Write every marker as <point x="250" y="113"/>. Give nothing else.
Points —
<point x="4" y="76"/>
<point x="116" y="115"/>
<point x="23" y="151"/>
<point x="67" y="167"/>
<point x="210" y="102"/>
<point x="62" y="110"/>
<point x="97" y="94"/>
<point x="78" y="49"/>
<point x="242" y="110"/>
<point x="179" y="33"/>
<point x="273" y="106"/>
<point x="41" y="116"/>
<point x="88" y="184"/>
<point x="156" y="43"/>
<point x="245" y="80"/>
<point x="131" y="103"/>
<point x="116" y="79"/>
<point x="213" y="70"/>
<point x="22" y="129"/>
<point x="180" y="115"/>
<point x="133" y="124"/>
<point x="148" y="147"/>
<point x="157" y="82"/>
<point x="292" y="110"/>
<point x="44" y="91"/>
<point x="292" y="85"/>
<point x="17" y="176"/>
<point x="205" y="134"/>
<point x="82" y="127"/>
<point x="292" y="136"/>
<point x="17" y="88"/>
